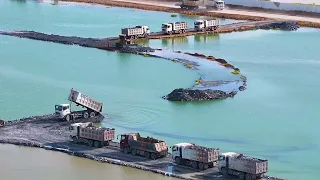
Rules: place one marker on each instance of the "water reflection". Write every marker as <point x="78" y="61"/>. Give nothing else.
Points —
<point x="175" y="40"/>
<point x="206" y="37"/>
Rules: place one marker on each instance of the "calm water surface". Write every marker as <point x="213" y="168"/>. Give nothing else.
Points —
<point x="275" y="118"/>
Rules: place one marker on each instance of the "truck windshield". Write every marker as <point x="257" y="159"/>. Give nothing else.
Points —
<point x="197" y="23"/>
<point x="58" y="108"/>
<point x="164" y="26"/>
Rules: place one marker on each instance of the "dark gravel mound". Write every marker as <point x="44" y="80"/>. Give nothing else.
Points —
<point x="197" y="95"/>
<point x="286" y="26"/>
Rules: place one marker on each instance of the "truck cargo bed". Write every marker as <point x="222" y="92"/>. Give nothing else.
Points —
<point x="85" y="101"/>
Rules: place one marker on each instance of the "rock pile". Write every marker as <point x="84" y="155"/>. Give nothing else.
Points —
<point x="134" y="49"/>
<point x="197" y="95"/>
<point x="286" y="26"/>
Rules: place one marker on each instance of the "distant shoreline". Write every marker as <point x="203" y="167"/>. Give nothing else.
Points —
<point x="168" y="6"/>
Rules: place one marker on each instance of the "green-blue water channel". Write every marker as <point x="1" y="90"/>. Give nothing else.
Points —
<point x="275" y="118"/>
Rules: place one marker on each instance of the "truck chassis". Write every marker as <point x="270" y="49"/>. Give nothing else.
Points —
<point x="194" y="164"/>
<point x="147" y="154"/>
<point x="90" y="142"/>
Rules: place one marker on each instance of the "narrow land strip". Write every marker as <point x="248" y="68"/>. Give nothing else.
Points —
<point x="238" y="14"/>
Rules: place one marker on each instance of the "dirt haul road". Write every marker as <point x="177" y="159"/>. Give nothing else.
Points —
<point x="260" y="13"/>
<point x="49" y="133"/>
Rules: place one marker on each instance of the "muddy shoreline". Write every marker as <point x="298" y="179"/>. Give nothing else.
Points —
<point x="51" y="134"/>
<point x="189" y="12"/>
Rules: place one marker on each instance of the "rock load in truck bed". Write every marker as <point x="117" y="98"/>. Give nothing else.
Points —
<point x="85" y="101"/>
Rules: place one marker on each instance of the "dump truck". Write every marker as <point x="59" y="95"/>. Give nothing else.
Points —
<point x="214" y="4"/>
<point x="174" y="28"/>
<point x="94" y="108"/>
<point x="136" y="32"/>
<point x="245" y="167"/>
<point x="190" y="4"/>
<point x="196" y="156"/>
<point x="2" y="123"/>
<point x="90" y="134"/>
<point x="140" y="146"/>
<point x="205" y="25"/>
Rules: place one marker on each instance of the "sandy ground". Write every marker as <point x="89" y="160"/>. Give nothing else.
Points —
<point x="298" y="1"/>
<point x="233" y="11"/>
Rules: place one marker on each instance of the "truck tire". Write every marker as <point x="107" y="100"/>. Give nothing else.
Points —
<point x="86" y="115"/>
<point x="224" y="171"/>
<point x="67" y="117"/>
<point x="126" y="150"/>
<point x="248" y="176"/>
<point x="97" y="144"/>
<point x="153" y="156"/>
<point x="75" y="140"/>
<point x="106" y="143"/>
<point x="194" y="165"/>
<point x="180" y="31"/>
<point x="92" y="114"/>
<point x="201" y="166"/>
<point x="183" y="30"/>
<point x="177" y="160"/>
<point x="90" y="143"/>
<point x="205" y="166"/>
<point x="147" y="155"/>
<point x="241" y="175"/>
<point x="133" y="151"/>
<point x="170" y="32"/>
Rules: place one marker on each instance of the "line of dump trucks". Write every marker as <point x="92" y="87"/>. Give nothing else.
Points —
<point x="169" y="28"/>
<point x="183" y="154"/>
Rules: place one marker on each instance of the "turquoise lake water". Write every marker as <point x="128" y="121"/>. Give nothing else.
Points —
<point x="275" y="118"/>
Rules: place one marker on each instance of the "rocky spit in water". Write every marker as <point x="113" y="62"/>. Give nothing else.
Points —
<point x="197" y="95"/>
<point x="49" y="133"/>
<point x="285" y="26"/>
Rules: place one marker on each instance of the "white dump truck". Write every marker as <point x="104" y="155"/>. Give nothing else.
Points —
<point x="214" y="4"/>
<point x="245" y="167"/>
<point x="136" y="32"/>
<point x="205" y="25"/>
<point x="198" y="157"/>
<point x="91" y="135"/>
<point x="63" y="111"/>
<point x="190" y="4"/>
<point x="174" y="28"/>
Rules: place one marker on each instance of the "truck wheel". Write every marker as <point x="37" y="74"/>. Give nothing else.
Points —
<point x="126" y="150"/>
<point x="194" y="165"/>
<point x="86" y="115"/>
<point x="147" y="155"/>
<point x="224" y="171"/>
<point x="92" y="114"/>
<point x="205" y="166"/>
<point x="183" y="30"/>
<point x="75" y="140"/>
<point x="210" y="165"/>
<point x="200" y="166"/>
<point x="179" y="31"/>
<point x="241" y="175"/>
<point x="97" y="144"/>
<point x="170" y="32"/>
<point x="248" y="176"/>
<point x="106" y="143"/>
<point x="177" y="160"/>
<point x="67" y="117"/>
<point x="133" y="151"/>
<point x="90" y="142"/>
<point x="153" y="156"/>
<point x="132" y="37"/>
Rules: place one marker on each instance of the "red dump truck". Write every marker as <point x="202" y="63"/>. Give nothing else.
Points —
<point x="2" y="123"/>
<point x="91" y="135"/>
<point x="148" y="147"/>
<point x="196" y="156"/>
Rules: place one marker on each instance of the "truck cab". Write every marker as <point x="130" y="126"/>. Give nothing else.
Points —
<point x="124" y="138"/>
<point x="224" y="159"/>
<point x="146" y="29"/>
<point x="177" y="149"/>
<point x="166" y="27"/>
<point x="220" y="4"/>
<point x="62" y="110"/>
<point x="199" y="24"/>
